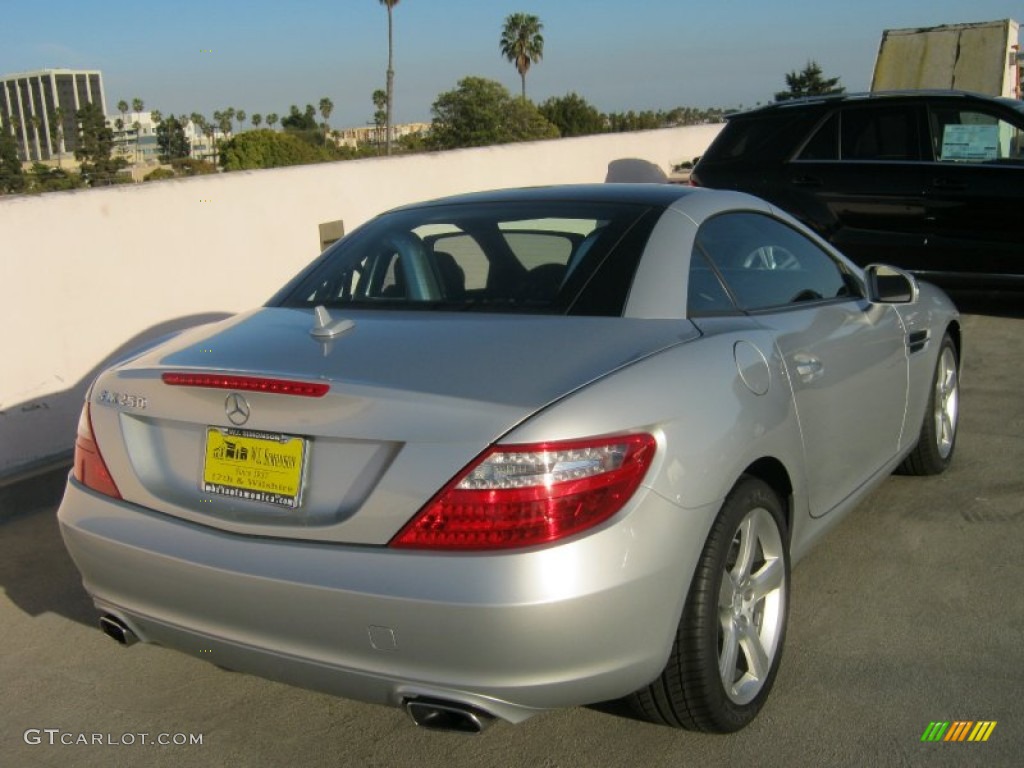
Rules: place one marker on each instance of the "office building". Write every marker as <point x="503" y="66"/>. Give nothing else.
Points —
<point x="32" y="102"/>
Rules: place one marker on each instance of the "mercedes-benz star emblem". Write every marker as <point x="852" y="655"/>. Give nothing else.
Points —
<point x="237" y="409"/>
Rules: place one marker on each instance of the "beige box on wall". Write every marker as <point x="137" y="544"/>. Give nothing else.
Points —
<point x="330" y="233"/>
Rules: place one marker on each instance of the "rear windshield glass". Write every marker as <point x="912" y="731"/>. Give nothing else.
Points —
<point x="550" y="257"/>
<point x="742" y="137"/>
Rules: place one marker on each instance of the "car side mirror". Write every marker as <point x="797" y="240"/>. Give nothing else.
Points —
<point x="889" y="285"/>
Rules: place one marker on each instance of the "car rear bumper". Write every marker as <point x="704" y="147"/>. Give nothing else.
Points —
<point x="509" y="633"/>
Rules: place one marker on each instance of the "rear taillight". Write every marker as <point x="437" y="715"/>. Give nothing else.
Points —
<point x="523" y="495"/>
<point x="90" y="469"/>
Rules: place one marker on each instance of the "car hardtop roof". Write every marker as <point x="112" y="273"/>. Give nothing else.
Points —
<point x="662" y="195"/>
<point x="811" y="102"/>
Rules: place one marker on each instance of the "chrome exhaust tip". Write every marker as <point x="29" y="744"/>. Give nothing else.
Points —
<point x="450" y="716"/>
<point x="117" y="629"/>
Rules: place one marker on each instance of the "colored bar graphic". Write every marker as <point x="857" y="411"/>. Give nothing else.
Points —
<point x="959" y="730"/>
<point x="982" y="731"/>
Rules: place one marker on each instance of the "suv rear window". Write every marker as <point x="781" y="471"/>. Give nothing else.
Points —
<point x="743" y="136"/>
<point x="554" y="258"/>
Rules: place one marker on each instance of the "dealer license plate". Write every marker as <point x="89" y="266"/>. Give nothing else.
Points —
<point x="256" y="466"/>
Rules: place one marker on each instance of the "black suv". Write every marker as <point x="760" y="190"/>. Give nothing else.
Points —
<point x="932" y="181"/>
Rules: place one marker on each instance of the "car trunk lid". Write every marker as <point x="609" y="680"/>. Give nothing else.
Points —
<point x="411" y="398"/>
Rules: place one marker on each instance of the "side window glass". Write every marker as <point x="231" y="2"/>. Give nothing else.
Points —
<point x="705" y="293"/>
<point x="461" y="252"/>
<point x="824" y="144"/>
<point x="884" y="133"/>
<point x="767" y="265"/>
<point x="972" y="136"/>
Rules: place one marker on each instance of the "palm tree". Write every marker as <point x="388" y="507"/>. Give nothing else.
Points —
<point x="122" y="107"/>
<point x="326" y="107"/>
<point x="271" y="120"/>
<point x="202" y="127"/>
<point x="37" y="123"/>
<point x="380" y="115"/>
<point x="256" y="118"/>
<point x="240" y="117"/>
<point x="522" y="43"/>
<point x="57" y="132"/>
<point x="390" y="74"/>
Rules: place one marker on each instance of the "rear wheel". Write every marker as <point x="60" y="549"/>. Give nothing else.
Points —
<point x="935" y="444"/>
<point x="727" y="649"/>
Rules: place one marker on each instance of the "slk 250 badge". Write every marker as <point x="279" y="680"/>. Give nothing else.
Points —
<point x="123" y="399"/>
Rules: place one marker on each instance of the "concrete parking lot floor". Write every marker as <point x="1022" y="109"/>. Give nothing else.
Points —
<point x="911" y="612"/>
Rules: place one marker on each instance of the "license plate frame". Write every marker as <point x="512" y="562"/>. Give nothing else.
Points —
<point x="261" y="467"/>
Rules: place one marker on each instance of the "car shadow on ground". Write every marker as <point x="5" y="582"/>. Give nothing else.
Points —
<point x="36" y="572"/>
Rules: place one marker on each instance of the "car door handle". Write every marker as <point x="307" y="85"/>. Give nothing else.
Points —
<point x="808" y="367"/>
<point x="949" y="184"/>
<point x="806" y="181"/>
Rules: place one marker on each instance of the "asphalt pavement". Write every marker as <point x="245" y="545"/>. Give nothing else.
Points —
<point x="911" y="612"/>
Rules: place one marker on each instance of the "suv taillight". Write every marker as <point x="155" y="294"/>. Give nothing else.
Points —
<point x="524" y="495"/>
<point x="90" y="469"/>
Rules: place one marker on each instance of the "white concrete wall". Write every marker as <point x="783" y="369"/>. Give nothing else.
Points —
<point x="88" y="275"/>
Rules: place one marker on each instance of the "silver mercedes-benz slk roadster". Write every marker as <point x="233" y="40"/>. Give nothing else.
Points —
<point x="512" y="451"/>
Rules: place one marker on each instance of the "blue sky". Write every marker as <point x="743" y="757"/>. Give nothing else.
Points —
<point x="264" y="55"/>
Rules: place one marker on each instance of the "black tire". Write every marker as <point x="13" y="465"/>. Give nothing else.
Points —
<point x="691" y="693"/>
<point x="937" y="439"/>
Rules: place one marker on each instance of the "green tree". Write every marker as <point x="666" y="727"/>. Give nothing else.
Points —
<point x="809" y="82"/>
<point x="522" y="43"/>
<point x="573" y="115"/>
<point x="170" y="137"/>
<point x="300" y="121"/>
<point x="95" y="145"/>
<point x="190" y="166"/>
<point x="624" y="122"/>
<point x="268" y="149"/>
<point x="389" y="120"/>
<point x="256" y="119"/>
<point x="380" y="114"/>
<point x="240" y="117"/>
<point x="326" y="107"/>
<point x="43" y="178"/>
<point x="157" y="116"/>
<point x="480" y="112"/>
<point x="12" y="178"/>
<point x="272" y="119"/>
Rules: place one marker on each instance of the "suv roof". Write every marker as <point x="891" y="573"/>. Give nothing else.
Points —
<point x="808" y="102"/>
